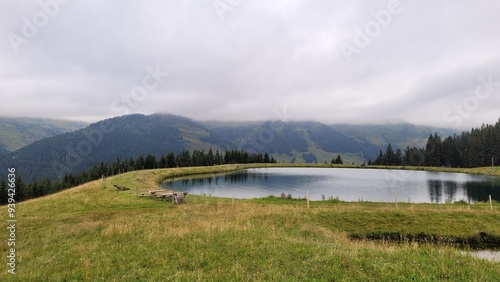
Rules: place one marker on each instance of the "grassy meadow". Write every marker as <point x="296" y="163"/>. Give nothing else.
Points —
<point x="94" y="233"/>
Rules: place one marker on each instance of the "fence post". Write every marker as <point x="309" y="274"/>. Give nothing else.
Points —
<point x="491" y="204"/>
<point x="307" y="197"/>
<point x="103" y="182"/>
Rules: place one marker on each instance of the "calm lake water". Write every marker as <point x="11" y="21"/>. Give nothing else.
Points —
<point x="491" y="255"/>
<point x="377" y="185"/>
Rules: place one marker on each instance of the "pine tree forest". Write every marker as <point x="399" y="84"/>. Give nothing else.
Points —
<point x="478" y="148"/>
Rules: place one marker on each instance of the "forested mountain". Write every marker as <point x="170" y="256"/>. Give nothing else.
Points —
<point x="16" y="133"/>
<point x="121" y="137"/>
<point x="131" y="136"/>
<point x="3" y="150"/>
<point x="137" y="135"/>
<point x="297" y="141"/>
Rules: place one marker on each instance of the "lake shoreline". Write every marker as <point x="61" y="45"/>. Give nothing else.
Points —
<point x="190" y="171"/>
<point x="403" y="190"/>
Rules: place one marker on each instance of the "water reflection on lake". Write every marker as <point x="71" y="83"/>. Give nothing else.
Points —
<point x="379" y="185"/>
<point x="492" y="255"/>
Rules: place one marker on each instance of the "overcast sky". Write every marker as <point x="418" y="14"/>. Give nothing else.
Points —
<point x="425" y="62"/>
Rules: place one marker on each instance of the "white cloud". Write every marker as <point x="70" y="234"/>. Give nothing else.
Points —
<point x="263" y="55"/>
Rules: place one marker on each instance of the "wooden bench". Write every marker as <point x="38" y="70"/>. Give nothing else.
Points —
<point x="164" y="196"/>
<point x="177" y="197"/>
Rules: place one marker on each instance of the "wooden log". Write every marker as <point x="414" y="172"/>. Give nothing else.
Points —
<point x="121" y="188"/>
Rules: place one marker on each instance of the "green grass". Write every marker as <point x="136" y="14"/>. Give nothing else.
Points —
<point x="93" y="233"/>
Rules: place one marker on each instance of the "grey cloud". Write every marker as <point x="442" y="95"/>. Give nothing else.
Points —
<point x="264" y="55"/>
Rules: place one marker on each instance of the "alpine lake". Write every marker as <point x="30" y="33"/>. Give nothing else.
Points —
<point x="345" y="184"/>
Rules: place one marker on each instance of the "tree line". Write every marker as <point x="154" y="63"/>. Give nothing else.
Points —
<point x="476" y="148"/>
<point x="337" y="160"/>
<point x="25" y="191"/>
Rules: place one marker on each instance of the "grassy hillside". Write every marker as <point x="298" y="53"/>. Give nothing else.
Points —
<point x="16" y="133"/>
<point x="93" y="233"/>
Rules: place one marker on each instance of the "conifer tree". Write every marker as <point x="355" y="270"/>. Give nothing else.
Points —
<point x="390" y="156"/>
<point x="339" y="160"/>
<point x="210" y="159"/>
<point x="451" y="155"/>
<point x="163" y="161"/>
<point x="266" y="158"/>
<point x="218" y="158"/>
<point x="433" y="151"/>
<point x="3" y="191"/>
<point x="171" y="160"/>
<point x="21" y="191"/>
<point x="379" y="159"/>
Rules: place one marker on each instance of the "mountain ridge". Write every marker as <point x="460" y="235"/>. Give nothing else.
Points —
<point x="17" y="132"/>
<point x="401" y="134"/>
<point x="130" y="136"/>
